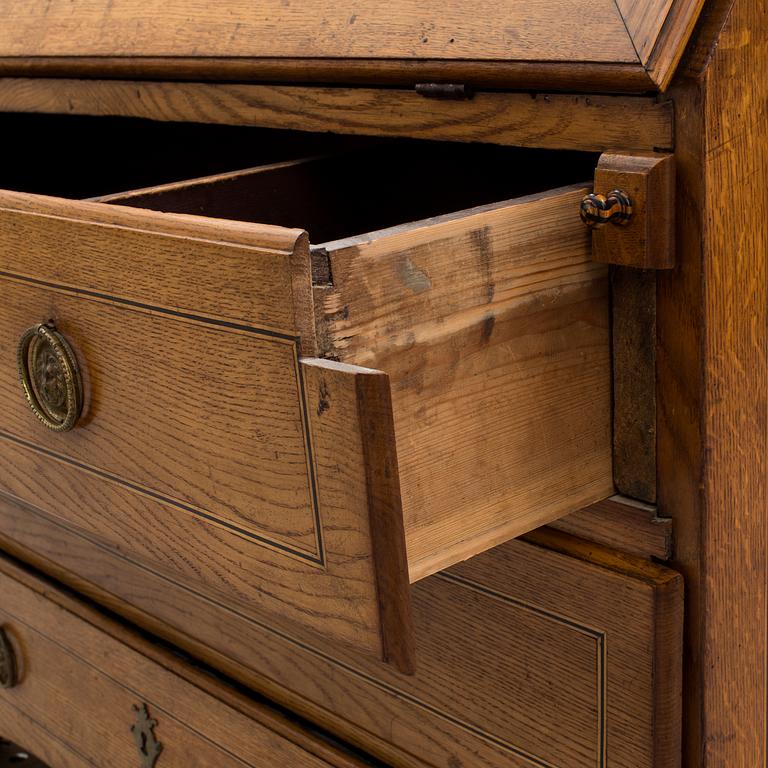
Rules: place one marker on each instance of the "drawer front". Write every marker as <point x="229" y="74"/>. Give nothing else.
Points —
<point x="527" y="656"/>
<point x="89" y="692"/>
<point x="201" y="452"/>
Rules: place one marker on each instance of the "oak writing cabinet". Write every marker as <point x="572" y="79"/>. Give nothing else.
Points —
<point x="382" y="385"/>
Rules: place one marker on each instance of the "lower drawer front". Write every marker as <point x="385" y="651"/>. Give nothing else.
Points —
<point x="88" y="692"/>
<point x="555" y="654"/>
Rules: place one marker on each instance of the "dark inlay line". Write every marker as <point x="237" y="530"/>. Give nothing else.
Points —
<point x="477" y="587"/>
<point x="295" y="340"/>
<point x="318" y="559"/>
<point x="595" y="634"/>
<point x="152" y="307"/>
<point x="392" y="690"/>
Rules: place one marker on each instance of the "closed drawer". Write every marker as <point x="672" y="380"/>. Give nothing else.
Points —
<point x="85" y="691"/>
<point x="305" y="431"/>
<point x="550" y="652"/>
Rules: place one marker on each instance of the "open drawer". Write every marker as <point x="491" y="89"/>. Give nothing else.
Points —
<point x="280" y="413"/>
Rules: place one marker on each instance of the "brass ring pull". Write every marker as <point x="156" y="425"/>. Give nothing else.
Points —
<point x="50" y="377"/>
<point x="9" y="670"/>
<point x="613" y="208"/>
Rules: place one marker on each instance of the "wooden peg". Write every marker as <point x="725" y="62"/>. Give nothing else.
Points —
<point x="632" y="210"/>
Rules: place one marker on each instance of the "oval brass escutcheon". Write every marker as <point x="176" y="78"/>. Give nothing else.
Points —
<point x="9" y="671"/>
<point x="50" y="377"/>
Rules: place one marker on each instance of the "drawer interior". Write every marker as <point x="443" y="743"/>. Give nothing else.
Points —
<point x="446" y="360"/>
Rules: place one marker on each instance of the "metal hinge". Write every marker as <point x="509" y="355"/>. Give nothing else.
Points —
<point x="456" y="91"/>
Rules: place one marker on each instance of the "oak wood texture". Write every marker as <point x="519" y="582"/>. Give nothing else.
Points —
<point x="82" y="674"/>
<point x="394" y="304"/>
<point x="633" y="337"/>
<point x="203" y="451"/>
<point x="647" y="241"/>
<point x="492" y="325"/>
<point x="213" y="454"/>
<point x="622" y="524"/>
<point x="548" y="120"/>
<point x="526" y="656"/>
<point x="404" y="34"/>
<point x="713" y="387"/>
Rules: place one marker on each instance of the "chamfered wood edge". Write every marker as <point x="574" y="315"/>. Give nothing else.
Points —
<point x="385" y="511"/>
<point x="623" y="524"/>
<point x="622" y="562"/>
<point x="672" y="41"/>
<point x="229" y="692"/>
<point x="668" y="627"/>
<point x="385" y="508"/>
<point x="594" y="77"/>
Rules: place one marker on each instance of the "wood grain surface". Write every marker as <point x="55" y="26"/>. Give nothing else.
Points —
<point x="713" y="387"/>
<point x="633" y="337"/>
<point x="647" y="240"/>
<point x="520" y="618"/>
<point x="199" y="720"/>
<point x="548" y="120"/>
<point x="232" y="483"/>
<point x="405" y="33"/>
<point x="546" y="76"/>
<point x="485" y="370"/>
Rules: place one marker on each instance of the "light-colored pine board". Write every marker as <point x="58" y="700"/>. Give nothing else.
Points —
<point x="492" y="325"/>
<point x="540" y="30"/>
<point x="550" y="121"/>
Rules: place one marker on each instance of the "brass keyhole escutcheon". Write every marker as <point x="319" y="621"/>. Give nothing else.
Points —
<point x="9" y="670"/>
<point x="143" y="731"/>
<point x="50" y="377"/>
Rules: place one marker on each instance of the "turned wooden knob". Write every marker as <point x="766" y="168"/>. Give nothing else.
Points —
<point x="613" y="208"/>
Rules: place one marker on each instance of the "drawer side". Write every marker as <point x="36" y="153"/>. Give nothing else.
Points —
<point x="493" y="326"/>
